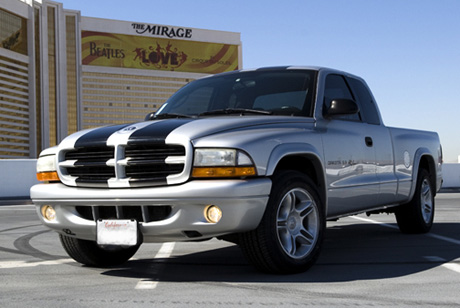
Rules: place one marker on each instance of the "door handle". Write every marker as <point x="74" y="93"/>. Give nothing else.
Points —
<point x="369" y="141"/>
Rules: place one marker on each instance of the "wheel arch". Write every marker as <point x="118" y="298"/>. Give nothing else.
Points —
<point x="424" y="160"/>
<point x="303" y="158"/>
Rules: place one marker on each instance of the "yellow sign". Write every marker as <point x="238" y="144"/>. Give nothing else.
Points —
<point x="129" y="51"/>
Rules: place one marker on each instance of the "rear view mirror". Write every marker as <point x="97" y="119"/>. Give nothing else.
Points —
<point x="341" y="107"/>
<point x="150" y="116"/>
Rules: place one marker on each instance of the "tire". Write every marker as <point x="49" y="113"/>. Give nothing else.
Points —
<point x="91" y="254"/>
<point x="417" y="215"/>
<point x="289" y="236"/>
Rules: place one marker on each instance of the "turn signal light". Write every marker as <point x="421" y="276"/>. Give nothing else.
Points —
<point x="48" y="176"/>
<point x="222" y="172"/>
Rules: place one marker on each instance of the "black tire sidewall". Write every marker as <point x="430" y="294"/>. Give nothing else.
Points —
<point x="91" y="254"/>
<point x="284" y="182"/>
<point x="418" y="208"/>
<point x="409" y="216"/>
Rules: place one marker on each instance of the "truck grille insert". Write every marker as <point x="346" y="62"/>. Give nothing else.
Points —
<point x="146" y="164"/>
<point x="139" y="213"/>
<point x="136" y="165"/>
<point x="91" y="164"/>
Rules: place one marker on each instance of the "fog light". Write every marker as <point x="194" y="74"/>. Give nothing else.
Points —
<point x="213" y="213"/>
<point x="48" y="212"/>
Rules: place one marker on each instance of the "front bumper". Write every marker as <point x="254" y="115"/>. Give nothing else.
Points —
<point x="242" y="203"/>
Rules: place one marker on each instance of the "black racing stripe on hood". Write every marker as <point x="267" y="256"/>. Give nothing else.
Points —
<point x="157" y="131"/>
<point x="98" y="137"/>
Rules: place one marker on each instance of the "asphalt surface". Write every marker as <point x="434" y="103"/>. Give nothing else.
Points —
<point x="365" y="262"/>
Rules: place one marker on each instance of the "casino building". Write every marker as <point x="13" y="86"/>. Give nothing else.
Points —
<point x="61" y="72"/>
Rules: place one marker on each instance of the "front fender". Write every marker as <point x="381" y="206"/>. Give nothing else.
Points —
<point x="288" y="154"/>
<point x="292" y="149"/>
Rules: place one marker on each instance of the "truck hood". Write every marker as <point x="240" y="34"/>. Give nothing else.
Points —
<point x="178" y="130"/>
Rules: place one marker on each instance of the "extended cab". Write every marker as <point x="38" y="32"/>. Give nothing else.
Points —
<point x="259" y="157"/>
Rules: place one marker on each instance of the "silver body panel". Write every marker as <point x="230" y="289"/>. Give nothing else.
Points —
<point x="357" y="177"/>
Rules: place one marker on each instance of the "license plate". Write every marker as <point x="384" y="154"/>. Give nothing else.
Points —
<point x="117" y="232"/>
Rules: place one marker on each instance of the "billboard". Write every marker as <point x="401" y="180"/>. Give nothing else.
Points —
<point x="140" y="52"/>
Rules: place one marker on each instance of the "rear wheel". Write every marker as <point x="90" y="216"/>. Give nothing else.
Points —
<point x="417" y="215"/>
<point x="289" y="237"/>
<point x="91" y="254"/>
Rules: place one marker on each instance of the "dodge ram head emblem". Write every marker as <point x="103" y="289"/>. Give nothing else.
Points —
<point x="128" y="129"/>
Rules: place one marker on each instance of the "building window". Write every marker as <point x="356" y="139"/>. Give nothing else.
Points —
<point x="72" y="84"/>
<point x="13" y="32"/>
<point x="122" y="98"/>
<point x="14" y="109"/>
<point x="38" y="83"/>
<point x="52" y="115"/>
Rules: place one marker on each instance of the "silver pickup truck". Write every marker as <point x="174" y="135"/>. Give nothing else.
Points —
<point x="260" y="157"/>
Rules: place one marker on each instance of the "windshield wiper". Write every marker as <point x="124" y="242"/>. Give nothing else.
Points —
<point x="240" y="111"/>
<point x="171" y="116"/>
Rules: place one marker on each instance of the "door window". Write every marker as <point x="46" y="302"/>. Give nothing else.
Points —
<point x="337" y="88"/>
<point x="366" y="102"/>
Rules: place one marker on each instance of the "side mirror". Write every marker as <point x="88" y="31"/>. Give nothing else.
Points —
<point x="341" y="107"/>
<point x="150" y="116"/>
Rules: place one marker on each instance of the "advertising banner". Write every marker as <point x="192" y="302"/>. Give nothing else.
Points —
<point x="130" y="51"/>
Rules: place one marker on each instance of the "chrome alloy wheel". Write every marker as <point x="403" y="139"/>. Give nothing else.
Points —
<point x="297" y="223"/>
<point x="426" y="199"/>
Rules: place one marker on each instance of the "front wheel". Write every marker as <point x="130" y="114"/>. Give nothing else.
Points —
<point x="417" y="215"/>
<point x="91" y="254"/>
<point x="289" y="237"/>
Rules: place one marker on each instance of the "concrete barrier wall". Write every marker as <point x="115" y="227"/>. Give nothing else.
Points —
<point x="16" y="178"/>
<point x="18" y="175"/>
<point x="451" y="175"/>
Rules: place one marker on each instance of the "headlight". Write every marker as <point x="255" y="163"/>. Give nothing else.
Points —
<point x="46" y="168"/>
<point x="217" y="163"/>
<point x="214" y="157"/>
<point x="46" y="163"/>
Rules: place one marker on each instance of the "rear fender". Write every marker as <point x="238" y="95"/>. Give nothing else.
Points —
<point x="423" y="160"/>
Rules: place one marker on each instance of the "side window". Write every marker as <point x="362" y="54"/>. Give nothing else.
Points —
<point x="337" y="88"/>
<point x="366" y="102"/>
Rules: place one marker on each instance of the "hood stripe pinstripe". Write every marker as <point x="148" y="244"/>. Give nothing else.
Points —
<point x="98" y="137"/>
<point x="157" y="132"/>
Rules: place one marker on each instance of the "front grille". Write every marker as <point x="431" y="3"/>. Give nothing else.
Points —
<point x="138" y="213"/>
<point x="146" y="164"/>
<point x="90" y="164"/>
<point x="132" y="165"/>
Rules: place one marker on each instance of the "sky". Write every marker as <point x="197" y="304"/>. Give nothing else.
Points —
<point x="408" y="51"/>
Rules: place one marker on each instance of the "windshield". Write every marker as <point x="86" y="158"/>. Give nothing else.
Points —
<point x="260" y="92"/>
